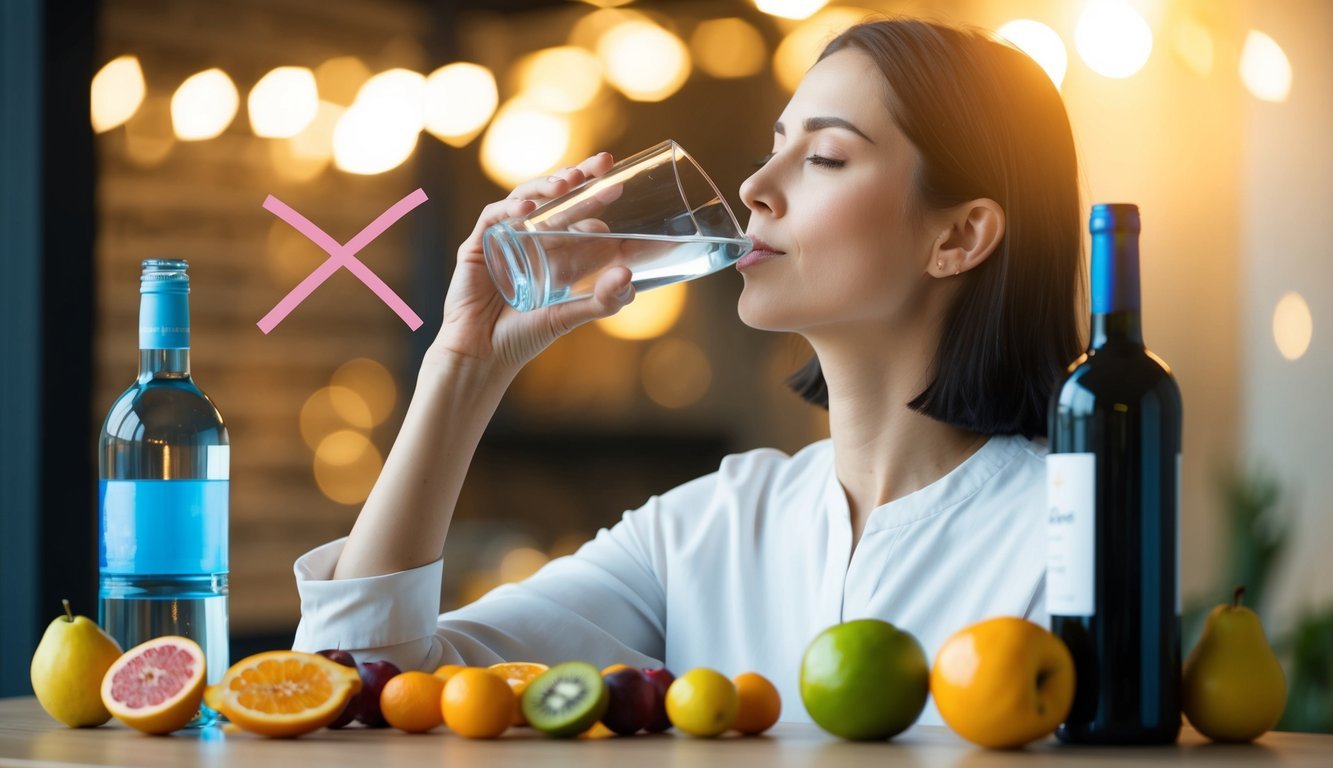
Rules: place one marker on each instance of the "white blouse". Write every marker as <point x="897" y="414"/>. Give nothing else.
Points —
<point x="737" y="571"/>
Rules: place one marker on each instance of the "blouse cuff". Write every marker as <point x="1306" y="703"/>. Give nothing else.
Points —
<point x="370" y="612"/>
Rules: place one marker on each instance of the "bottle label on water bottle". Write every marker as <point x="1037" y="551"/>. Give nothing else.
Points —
<point x="1071" y="552"/>
<point x="163" y="527"/>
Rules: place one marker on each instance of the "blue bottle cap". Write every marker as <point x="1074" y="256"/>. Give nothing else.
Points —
<point x="1114" y="217"/>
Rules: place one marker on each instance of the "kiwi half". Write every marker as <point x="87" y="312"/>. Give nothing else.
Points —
<point x="566" y="699"/>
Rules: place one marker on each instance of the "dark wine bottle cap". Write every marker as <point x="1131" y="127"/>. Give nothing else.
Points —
<point x="1114" y="217"/>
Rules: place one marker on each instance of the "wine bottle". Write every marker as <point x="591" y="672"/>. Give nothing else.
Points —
<point x="1113" y="485"/>
<point x="164" y="460"/>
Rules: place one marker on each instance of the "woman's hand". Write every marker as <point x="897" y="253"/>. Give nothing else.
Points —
<point x="477" y="321"/>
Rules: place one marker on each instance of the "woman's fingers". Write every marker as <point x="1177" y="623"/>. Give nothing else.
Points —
<point x="611" y="293"/>
<point x="493" y="214"/>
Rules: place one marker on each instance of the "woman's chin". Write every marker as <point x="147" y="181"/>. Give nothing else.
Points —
<point x="763" y="313"/>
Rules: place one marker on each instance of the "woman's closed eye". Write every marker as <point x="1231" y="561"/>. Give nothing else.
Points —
<point x="825" y="162"/>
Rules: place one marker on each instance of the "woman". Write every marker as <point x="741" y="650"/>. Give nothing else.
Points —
<point x="918" y="223"/>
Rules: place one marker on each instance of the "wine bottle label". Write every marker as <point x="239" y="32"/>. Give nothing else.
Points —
<point x="1071" y="553"/>
<point x="163" y="527"/>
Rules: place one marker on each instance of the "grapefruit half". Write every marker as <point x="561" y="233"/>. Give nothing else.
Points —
<point x="156" y="687"/>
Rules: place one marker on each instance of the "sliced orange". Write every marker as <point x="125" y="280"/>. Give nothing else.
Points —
<point x="284" y="693"/>
<point x="156" y="687"/>
<point x="519" y="674"/>
<point x="446" y="671"/>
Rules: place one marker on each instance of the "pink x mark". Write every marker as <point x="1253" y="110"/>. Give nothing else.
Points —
<point x="341" y="256"/>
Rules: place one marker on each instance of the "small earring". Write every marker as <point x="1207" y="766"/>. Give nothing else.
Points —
<point x="940" y="265"/>
<point x="957" y="271"/>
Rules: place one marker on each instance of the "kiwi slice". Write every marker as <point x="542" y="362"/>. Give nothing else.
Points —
<point x="566" y="699"/>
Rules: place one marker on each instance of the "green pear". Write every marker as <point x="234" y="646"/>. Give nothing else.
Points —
<point x="1234" y="688"/>
<point x="68" y="667"/>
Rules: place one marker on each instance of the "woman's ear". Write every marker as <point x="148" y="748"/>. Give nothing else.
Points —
<point x="967" y="238"/>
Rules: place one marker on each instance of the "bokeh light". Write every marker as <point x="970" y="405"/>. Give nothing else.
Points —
<point x="728" y="48"/>
<point x="1041" y="43"/>
<point x="1264" y="67"/>
<point x="790" y="9"/>
<point x="204" y="105"/>
<point x="523" y="142"/>
<point x="1193" y="44"/>
<point x="117" y="93"/>
<point x="643" y="60"/>
<point x="1293" y="326"/>
<point x="1113" y="38"/>
<point x="676" y="373"/>
<point x="289" y="259"/>
<point x="346" y="466"/>
<point x="802" y="46"/>
<point x="400" y="92"/>
<point x="322" y="413"/>
<point x="374" y="386"/>
<point x="565" y="78"/>
<point x="148" y="135"/>
<point x="521" y="562"/>
<point x="460" y="99"/>
<point x="651" y="314"/>
<point x="379" y="133"/>
<point x="340" y="78"/>
<point x="283" y="102"/>
<point x="304" y="156"/>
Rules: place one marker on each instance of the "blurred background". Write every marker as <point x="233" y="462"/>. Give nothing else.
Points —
<point x="137" y="129"/>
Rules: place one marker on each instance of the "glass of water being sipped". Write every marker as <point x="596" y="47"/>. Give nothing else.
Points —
<point x="656" y="213"/>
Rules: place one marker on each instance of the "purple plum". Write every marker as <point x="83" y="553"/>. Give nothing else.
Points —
<point x="353" y="707"/>
<point x="374" y="676"/>
<point x="661" y="678"/>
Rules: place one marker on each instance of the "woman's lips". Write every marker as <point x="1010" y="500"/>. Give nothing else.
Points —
<point x="762" y="251"/>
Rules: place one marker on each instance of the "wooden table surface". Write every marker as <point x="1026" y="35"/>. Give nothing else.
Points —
<point x="28" y="737"/>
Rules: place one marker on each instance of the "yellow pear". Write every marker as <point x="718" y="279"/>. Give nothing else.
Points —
<point x="67" y="669"/>
<point x="1234" y="688"/>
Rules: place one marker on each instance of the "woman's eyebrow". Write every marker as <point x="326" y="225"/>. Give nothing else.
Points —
<point x="813" y="124"/>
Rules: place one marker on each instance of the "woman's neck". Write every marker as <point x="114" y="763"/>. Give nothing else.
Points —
<point x="883" y="449"/>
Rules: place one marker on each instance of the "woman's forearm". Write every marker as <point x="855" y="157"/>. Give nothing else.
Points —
<point x="406" y="518"/>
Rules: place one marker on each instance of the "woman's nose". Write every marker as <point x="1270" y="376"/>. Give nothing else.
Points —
<point x="760" y="194"/>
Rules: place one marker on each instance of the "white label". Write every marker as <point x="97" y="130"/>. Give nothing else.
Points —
<point x="1071" y="528"/>
<point x="219" y="462"/>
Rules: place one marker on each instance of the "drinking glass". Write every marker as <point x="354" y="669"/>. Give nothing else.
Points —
<point x="656" y="213"/>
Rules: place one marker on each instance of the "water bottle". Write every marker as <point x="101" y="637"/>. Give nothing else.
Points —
<point x="164" y="462"/>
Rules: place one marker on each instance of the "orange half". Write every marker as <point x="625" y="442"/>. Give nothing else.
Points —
<point x="519" y="674"/>
<point x="284" y="693"/>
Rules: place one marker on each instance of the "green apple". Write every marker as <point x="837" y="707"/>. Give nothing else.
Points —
<point x="864" y="680"/>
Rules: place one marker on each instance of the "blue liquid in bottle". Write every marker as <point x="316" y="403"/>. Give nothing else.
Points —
<point x="164" y="459"/>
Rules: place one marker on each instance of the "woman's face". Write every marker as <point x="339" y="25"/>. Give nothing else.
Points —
<point x="831" y="209"/>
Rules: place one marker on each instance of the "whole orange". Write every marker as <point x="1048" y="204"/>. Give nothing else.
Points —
<point x="446" y="671"/>
<point x="478" y="704"/>
<point x="760" y="704"/>
<point x="410" y="701"/>
<point x="1003" y="682"/>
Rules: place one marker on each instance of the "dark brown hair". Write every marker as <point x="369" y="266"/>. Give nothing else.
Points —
<point x="986" y="122"/>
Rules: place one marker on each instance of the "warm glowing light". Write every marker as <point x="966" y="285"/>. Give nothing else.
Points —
<point x="608" y="3"/>
<point x="346" y="465"/>
<point x="204" y="105"/>
<point x="117" y="93"/>
<point x="651" y="314"/>
<point x="644" y="61"/>
<point x="1264" y="67"/>
<point x="802" y="46"/>
<point x="520" y="563"/>
<point x="399" y="91"/>
<point x="283" y="102"/>
<point x="523" y="142"/>
<point x="1292" y="326"/>
<point x="460" y="99"/>
<point x="289" y="259"/>
<point x="374" y="386"/>
<point x="561" y="79"/>
<point x="676" y="373"/>
<point x="339" y="79"/>
<point x="304" y="156"/>
<point x="588" y="30"/>
<point x="1193" y="43"/>
<point x="1041" y="43"/>
<point x="726" y="48"/>
<point x="148" y="136"/>
<point x="376" y="135"/>
<point x="323" y="412"/>
<point x="1113" y="38"/>
<point x="790" y="9"/>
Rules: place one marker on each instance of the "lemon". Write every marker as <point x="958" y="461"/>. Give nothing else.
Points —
<point x="702" y="702"/>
